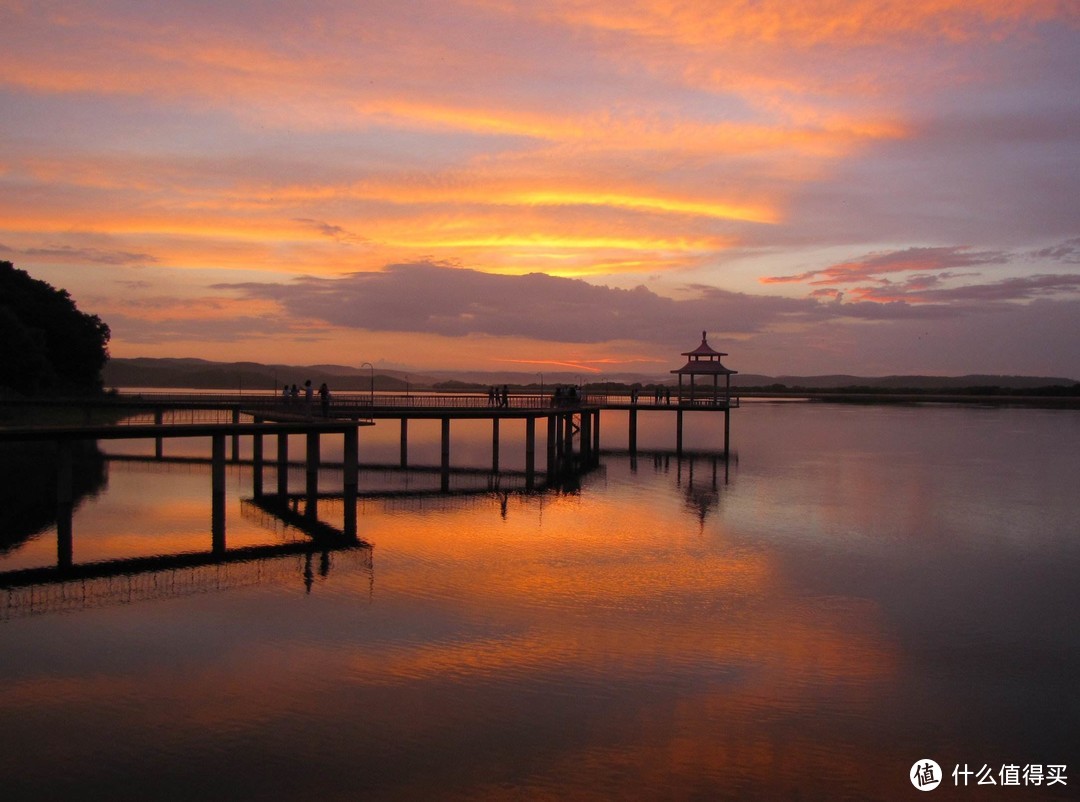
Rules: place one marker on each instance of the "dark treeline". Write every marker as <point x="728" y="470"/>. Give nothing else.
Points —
<point x="46" y="343"/>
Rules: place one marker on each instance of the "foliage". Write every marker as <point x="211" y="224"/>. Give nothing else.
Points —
<point x="46" y="343"/>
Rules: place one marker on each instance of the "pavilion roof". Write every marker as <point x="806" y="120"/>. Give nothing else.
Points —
<point x="708" y="367"/>
<point x="703" y="350"/>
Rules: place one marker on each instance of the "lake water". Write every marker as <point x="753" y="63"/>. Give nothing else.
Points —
<point x="858" y="588"/>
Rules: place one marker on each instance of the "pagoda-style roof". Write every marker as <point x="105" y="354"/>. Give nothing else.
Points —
<point x="703" y="360"/>
<point x="704" y="349"/>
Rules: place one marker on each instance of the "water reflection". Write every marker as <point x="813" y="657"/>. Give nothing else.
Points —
<point x="864" y="588"/>
<point x="28" y="492"/>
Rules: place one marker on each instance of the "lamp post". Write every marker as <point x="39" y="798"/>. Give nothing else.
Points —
<point x="371" y="377"/>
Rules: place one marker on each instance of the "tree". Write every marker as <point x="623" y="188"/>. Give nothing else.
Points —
<point x="46" y="343"/>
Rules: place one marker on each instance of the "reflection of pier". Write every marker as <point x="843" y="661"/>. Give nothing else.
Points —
<point x="70" y="584"/>
<point x="34" y="591"/>
<point x="699" y="474"/>
<point x="66" y="437"/>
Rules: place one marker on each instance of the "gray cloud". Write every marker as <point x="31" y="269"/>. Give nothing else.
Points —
<point x="330" y="230"/>
<point x="433" y="298"/>
<point x="1067" y="252"/>
<point x="85" y="254"/>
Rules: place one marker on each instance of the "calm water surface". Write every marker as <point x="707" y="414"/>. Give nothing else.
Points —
<point x="859" y="588"/>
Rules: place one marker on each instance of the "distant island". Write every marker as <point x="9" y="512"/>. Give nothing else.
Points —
<point x="164" y="373"/>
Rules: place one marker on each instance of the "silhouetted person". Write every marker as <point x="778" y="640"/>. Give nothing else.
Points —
<point x="505" y="396"/>
<point x="324" y="399"/>
<point x="308" y="392"/>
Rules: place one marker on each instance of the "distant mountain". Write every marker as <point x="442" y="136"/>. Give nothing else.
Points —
<point x="254" y="376"/>
<point x="202" y="374"/>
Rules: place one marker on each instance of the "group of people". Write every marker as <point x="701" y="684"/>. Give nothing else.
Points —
<point x="567" y="397"/>
<point x="290" y="393"/>
<point x="499" y="397"/>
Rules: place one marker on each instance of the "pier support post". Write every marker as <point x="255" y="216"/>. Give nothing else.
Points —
<point x="236" y="438"/>
<point x="311" y="486"/>
<point x="530" y="451"/>
<point x="282" y="467"/>
<point x="596" y="437"/>
<point x="351" y="455"/>
<point x="159" y="442"/>
<point x="64" y="503"/>
<point x="568" y="434"/>
<point x="727" y="429"/>
<point x="217" y="495"/>
<point x="586" y="436"/>
<point x="257" y="463"/>
<point x="404" y="442"/>
<point x="678" y="432"/>
<point x="552" y="439"/>
<point x="633" y="431"/>
<point x="494" y="445"/>
<point x="445" y="454"/>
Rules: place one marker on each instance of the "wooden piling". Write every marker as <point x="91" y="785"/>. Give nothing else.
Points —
<point x="282" y="466"/>
<point x="236" y="438"/>
<point x="64" y="503"/>
<point x="445" y="462"/>
<point x="351" y="456"/>
<point x="530" y="450"/>
<point x="257" y="463"/>
<point x="311" y="486"/>
<point x="217" y="494"/>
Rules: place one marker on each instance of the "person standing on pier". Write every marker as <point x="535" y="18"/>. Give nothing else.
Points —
<point x="324" y="399"/>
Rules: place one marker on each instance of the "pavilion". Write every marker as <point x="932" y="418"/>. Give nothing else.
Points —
<point x="703" y="361"/>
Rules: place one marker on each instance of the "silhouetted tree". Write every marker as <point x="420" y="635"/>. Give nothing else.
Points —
<point x="46" y="343"/>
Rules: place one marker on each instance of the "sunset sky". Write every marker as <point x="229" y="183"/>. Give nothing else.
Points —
<point x="826" y="186"/>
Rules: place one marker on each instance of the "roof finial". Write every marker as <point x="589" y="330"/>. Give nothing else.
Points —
<point x="703" y="336"/>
